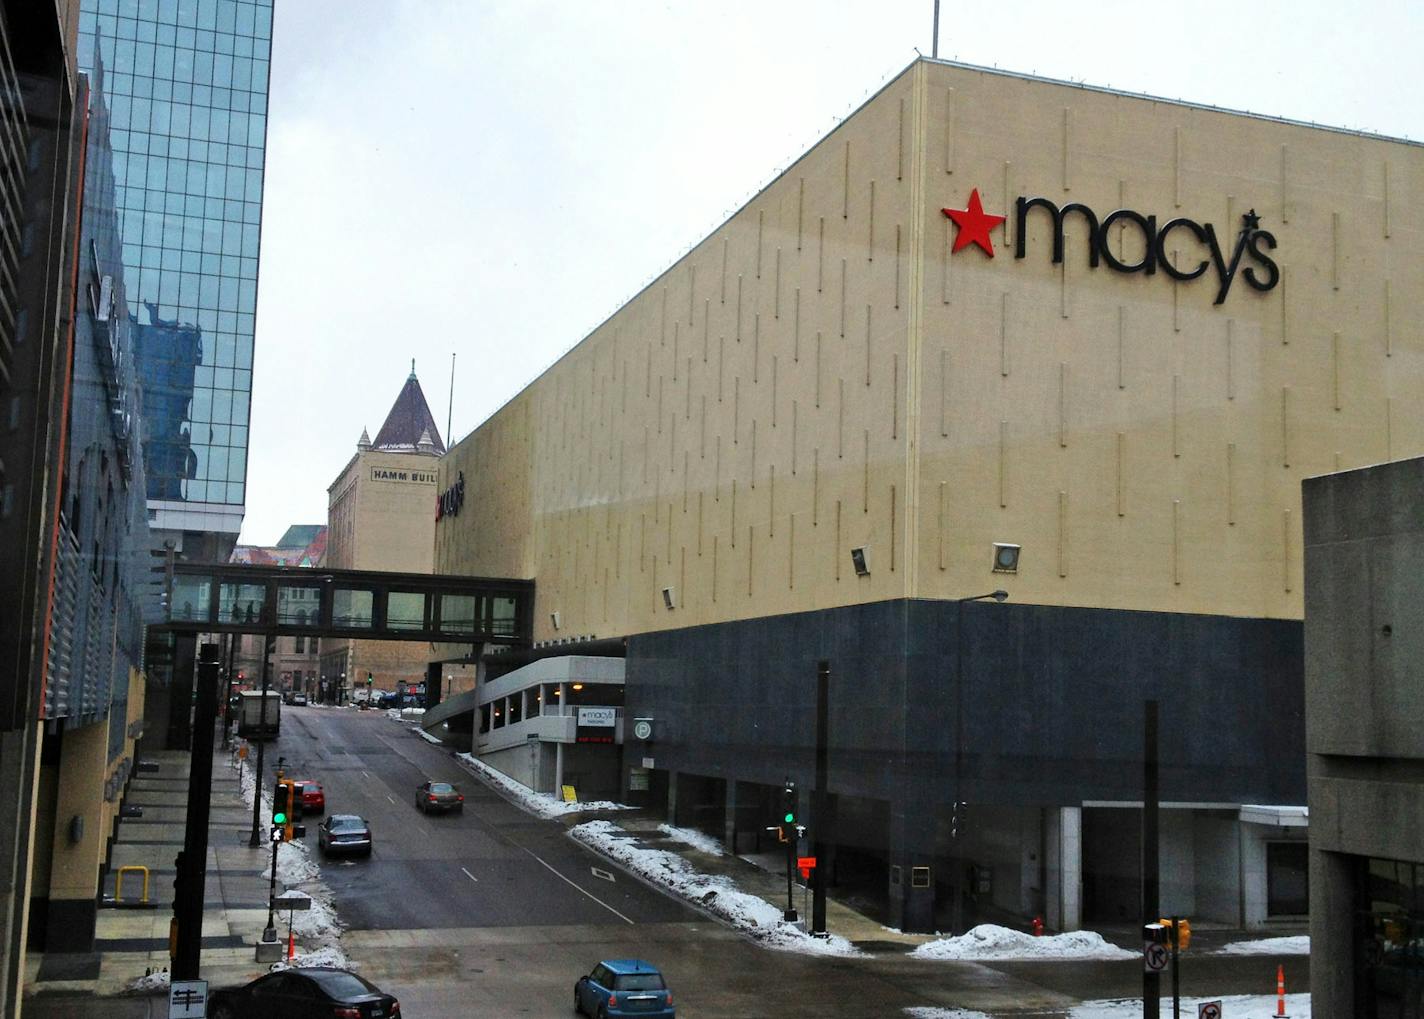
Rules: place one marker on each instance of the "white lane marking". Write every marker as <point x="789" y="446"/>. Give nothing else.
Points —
<point x="364" y="775"/>
<point x="390" y="797"/>
<point x="602" y="873"/>
<point x="471" y="876"/>
<point x="595" y="898"/>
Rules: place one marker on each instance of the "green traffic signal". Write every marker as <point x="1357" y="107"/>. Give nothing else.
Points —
<point x="790" y="818"/>
<point x="279" y="818"/>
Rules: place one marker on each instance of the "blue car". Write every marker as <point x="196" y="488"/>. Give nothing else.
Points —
<point x="624" y="987"/>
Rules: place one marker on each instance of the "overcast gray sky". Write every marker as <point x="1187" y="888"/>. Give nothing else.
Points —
<point x="496" y="178"/>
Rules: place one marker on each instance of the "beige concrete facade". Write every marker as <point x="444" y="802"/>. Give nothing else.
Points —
<point x="822" y="373"/>
<point x="381" y="515"/>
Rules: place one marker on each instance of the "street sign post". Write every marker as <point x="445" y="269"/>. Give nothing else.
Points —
<point x="1155" y="957"/>
<point x="188" y="999"/>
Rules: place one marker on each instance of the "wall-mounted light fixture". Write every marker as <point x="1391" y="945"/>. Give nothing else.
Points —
<point x="1006" y="557"/>
<point x="860" y="559"/>
<point x="669" y="599"/>
<point x="554" y="619"/>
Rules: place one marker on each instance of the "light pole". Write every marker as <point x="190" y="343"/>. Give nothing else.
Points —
<point x="956" y="820"/>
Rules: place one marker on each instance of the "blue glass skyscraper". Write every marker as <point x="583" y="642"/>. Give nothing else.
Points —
<point x="187" y="83"/>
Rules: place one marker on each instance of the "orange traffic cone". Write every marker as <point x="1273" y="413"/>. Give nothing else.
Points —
<point x="291" y="946"/>
<point x="1280" y="993"/>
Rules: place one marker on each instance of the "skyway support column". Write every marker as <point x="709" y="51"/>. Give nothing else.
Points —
<point x="192" y="861"/>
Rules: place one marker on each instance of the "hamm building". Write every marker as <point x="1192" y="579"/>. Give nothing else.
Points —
<point x="993" y="333"/>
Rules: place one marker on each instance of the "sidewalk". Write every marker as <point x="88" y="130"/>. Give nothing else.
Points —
<point x="131" y="941"/>
<point x="764" y="876"/>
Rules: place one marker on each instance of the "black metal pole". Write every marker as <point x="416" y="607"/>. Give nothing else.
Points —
<point x="1151" y="908"/>
<point x="225" y="708"/>
<point x="192" y="861"/>
<point x="957" y="820"/>
<point x="821" y="798"/>
<point x="790" y="914"/>
<point x="270" y="933"/>
<point x="1176" y="970"/>
<point x="268" y="648"/>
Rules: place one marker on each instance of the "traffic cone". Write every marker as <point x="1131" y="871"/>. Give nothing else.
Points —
<point x="291" y="946"/>
<point x="1281" y="993"/>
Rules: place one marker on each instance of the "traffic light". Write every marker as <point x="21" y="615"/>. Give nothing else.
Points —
<point x="788" y="803"/>
<point x="287" y="810"/>
<point x="370" y="679"/>
<point x="1179" y="931"/>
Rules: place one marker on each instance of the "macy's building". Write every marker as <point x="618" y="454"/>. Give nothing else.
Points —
<point x="986" y="310"/>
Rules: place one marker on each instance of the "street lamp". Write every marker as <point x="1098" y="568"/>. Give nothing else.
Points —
<point x="956" y="821"/>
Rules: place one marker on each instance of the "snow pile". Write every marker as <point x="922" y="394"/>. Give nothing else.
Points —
<point x="716" y="894"/>
<point x="543" y="804"/>
<point x="429" y="738"/>
<point x="696" y="839"/>
<point x="151" y="984"/>
<point x="1297" y="945"/>
<point x="323" y="958"/>
<point x="929" y="1012"/>
<point x="989" y="941"/>
<point x="296" y="870"/>
<point x="1297" y="1006"/>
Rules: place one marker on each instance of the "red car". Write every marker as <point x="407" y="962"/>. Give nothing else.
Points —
<point x="313" y="798"/>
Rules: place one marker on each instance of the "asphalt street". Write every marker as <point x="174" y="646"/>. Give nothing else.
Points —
<point x="495" y="913"/>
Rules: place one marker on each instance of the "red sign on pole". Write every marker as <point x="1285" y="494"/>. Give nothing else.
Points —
<point x="806" y="864"/>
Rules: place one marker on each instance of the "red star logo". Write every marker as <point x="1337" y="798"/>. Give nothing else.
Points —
<point x="974" y="225"/>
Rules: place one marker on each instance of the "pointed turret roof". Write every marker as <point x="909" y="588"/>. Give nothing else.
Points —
<point x="409" y="418"/>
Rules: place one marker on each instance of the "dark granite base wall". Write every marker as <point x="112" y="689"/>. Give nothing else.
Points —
<point x="1052" y="701"/>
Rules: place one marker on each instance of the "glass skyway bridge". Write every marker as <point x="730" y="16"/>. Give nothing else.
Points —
<point x="302" y="601"/>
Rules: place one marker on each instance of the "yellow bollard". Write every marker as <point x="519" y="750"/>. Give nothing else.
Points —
<point x="119" y="882"/>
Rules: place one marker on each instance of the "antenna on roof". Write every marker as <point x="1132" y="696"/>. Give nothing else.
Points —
<point x="450" y="407"/>
<point x="934" y="43"/>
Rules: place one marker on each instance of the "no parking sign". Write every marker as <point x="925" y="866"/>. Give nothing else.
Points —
<point x="1209" y="1010"/>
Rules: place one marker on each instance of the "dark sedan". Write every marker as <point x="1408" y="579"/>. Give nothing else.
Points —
<point x="344" y="833"/>
<point x="298" y="993"/>
<point x="440" y="797"/>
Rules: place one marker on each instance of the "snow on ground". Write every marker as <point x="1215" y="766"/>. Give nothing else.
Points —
<point x="318" y="926"/>
<point x="322" y="958"/>
<point x="1296" y="945"/>
<point x="429" y="738"/>
<point x="989" y="941"/>
<point x="543" y="804"/>
<point x="405" y="714"/>
<point x="1297" y="1007"/>
<point x="696" y="839"/>
<point x="150" y="984"/>
<point x="715" y="893"/>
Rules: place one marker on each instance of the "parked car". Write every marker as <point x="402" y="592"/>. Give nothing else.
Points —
<point x="304" y="992"/>
<point x="440" y="797"/>
<point x="344" y="833"/>
<point x="624" y="987"/>
<point x="299" y="699"/>
<point x="313" y="797"/>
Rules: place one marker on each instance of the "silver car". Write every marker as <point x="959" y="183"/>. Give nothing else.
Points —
<point x="440" y="797"/>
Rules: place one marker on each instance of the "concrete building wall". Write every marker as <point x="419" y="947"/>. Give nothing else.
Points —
<point x="381" y="515"/>
<point x="827" y="359"/>
<point x="1364" y="645"/>
<point x="752" y="381"/>
<point x="1144" y="444"/>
